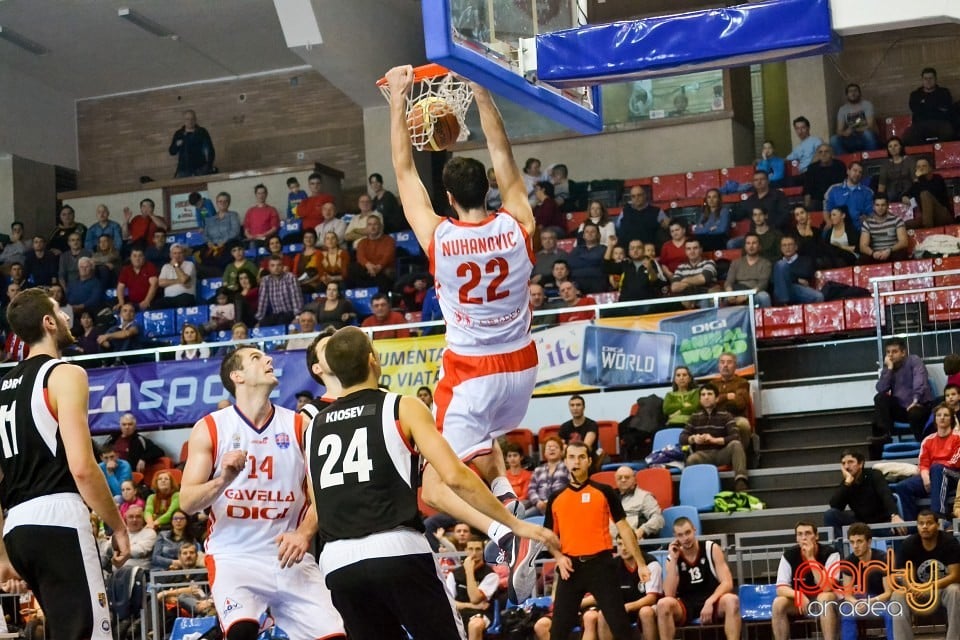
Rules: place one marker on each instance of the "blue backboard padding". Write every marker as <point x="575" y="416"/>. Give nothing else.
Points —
<point x="442" y="49"/>
<point x="687" y="42"/>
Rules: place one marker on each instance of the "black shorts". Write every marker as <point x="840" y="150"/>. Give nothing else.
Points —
<point x="51" y="546"/>
<point x="693" y="606"/>
<point x="380" y="597"/>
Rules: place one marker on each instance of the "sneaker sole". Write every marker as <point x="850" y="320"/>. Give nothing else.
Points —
<point x="523" y="572"/>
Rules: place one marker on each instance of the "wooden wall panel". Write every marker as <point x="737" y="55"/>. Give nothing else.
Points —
<point x="254" y="122"/>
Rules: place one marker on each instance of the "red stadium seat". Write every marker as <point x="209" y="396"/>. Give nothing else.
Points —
<point x="605" y="477"/>
<point x="860" y="313"/>
<point x="946" y="155"/>
<point x="863" y="275"/>
<point x="574" y="220"/>
<point x="699" y="182"/>
<point x="823" y="317"/>
<point x="895" y="126"/>
<point x="949" y="263"/>
<point x="151" y="470"/>
<point x="659" y="482"/>
<point x="924" y="281"/>
<point x="524" y="439"/>
<point x="844" y="275"/>
<point x="917" y="236"/>
<point x="742" y="174"/>
<point x="671" y="187"/>
<point x="609" y="437"/>
<point x="943" y="306"/>
<point x="779" y="322"/>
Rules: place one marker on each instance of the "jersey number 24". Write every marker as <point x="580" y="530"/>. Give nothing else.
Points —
<point x="355" y="459"/>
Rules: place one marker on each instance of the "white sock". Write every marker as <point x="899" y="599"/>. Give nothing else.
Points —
<point x="501" y="486"/>
<point x="497" y="531"/>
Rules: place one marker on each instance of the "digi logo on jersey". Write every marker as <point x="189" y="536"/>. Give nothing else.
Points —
<point x="247" y="511"/>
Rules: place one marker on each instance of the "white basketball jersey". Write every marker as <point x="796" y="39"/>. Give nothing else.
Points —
<point x="267" y="498"/>
<point x="481" y="271"/>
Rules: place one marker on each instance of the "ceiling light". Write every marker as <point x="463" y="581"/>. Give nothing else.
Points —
<point x="23" y="42"/>
<point x="146" y="24"/>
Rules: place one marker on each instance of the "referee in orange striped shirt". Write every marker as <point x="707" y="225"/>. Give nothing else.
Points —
<point x="580" y="515"/>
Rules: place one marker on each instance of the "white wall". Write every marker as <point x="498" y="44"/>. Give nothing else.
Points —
<point x="38" y="122"/>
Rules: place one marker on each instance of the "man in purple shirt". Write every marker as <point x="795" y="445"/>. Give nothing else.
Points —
<point x="903" y="393"/>
<point x="280" y="298"/>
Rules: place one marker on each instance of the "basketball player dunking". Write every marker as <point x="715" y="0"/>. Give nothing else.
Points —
<point x="481" y="265"/>
<point x="247" y="465"/>
<point x="48" y="473"/>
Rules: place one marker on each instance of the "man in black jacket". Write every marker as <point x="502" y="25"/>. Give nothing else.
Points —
<point x="866" y="493"/>
<point x="133" y="447"/>
<point x="793" y="276"/>
<point x="932" y="108"/>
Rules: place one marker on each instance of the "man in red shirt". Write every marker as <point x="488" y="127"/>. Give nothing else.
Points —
<point x="138" y="282"/>
<point x="570" y="297"/>
<point x="384" y="315"/>
<point x="262" y="220"/>
<point x="310" y="210"/>
<point x="939" y="466"/>
<point x="376" y="256"/>
<point x="138" y="229"/>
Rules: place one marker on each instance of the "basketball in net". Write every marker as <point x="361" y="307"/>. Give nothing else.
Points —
<point x="436" y="108"/>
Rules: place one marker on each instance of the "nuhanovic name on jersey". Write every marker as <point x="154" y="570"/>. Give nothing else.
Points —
<point x="350" y="413"/>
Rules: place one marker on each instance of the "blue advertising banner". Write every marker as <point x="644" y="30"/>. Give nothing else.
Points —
<point x="616" y="357"/>
<point x="703" y="335"/>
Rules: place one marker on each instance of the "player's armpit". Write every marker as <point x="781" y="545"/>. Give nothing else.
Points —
<point x="197" y="489"/>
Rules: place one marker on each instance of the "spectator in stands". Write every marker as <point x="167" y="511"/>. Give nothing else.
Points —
<point x="66" y="226"/>
<point x="639" y="279"/>
<point x="14" y="251"/>
<point x="139" y="281"/>
<point x="42" y="266"/>
<point x="640" y="220"/>
<point x="357" y="229"/>
<point x="806" y="234"/>
<point x="166" y="551"/>
<point x="106" y="262"/>
<point x="673" y="252"/>
<point x="586" y="261"/>
<point x="939" y="467"/>
<point x="123" y="336"/>
<point x="18" y="276"/>
<point x="856" y="125"/>
<point x="772" y="201"/>
<point x="653" y="266"/>
<point x="713" y="437"/>
<point x="791" y="603"/>
<point x="493" y="201"/>
<point x="275" y="249"/>
<point x="306" y="324"/>
<point x="295" y="195"/>
<point x="579" y="428"/>
<point x="240" y="264"/>
<point x="138" y="229"/>
<point x="897" y="173"/>
<point x="683" y="400"/>
<point x="334" y="310"/>
<point x="951" y="398"/>
<point x="614" y="259"/>
<point x="376" y="257"/>
<point x="239" y="331"/>
<point x="310" y="210"/>
<point x="697" y="583"/>
<point x="248" y="298"/>
<point x="597" y="214"/>
<point x="330" y="223"/>
<point x="864" y="585"/>
<point x="643" y="511"/>
<point x="883" y="236"/>
<point x="820" y="176"/>
<point x="551" y="476"/>
<point x="69" y="271"/>
<point x="178" y="279"/>
<point x="695" y="276"/>
<point x="532" y="174"/>
<point x="103" y="226"/>
<point x="903" y="391"/>
<point x="333" y="263"/>
<point x="857" y="196"/>
<point x="559" y="273"/>
<point x="772" y="164"/>
<point x="518" y="476"/>
<point x="561" y="187"/>
<point x="425" y="395"/>
<point x="88" y="335"/>
<point x="929" y="192"/>
<point x="545" y="210"/>
<point x="841" y="239"/>
<point x="115" y="469"/>
<point x="305" y="265"/>
<point x="129" y="497"/>
<point x="733" y="396"/>
<point x="539" y="302"/>
<point x="279" y="299"/>
<point x="86" y="293"/>
<point x="793" y="276"/>
<point x="383" y="315"/>
<point x="768" y="237"/>
<point x="570" y="297"/>
<point x="192" y="599"/>
<point x="158" y="253"/>
<point x="303" y="399"/>
<point x="193" y="147"/>
<point x="750" y="271"/>
<point x="190" y="337"/>
<point x="261" y="220"/>
<point x="932" y="109"/>
<point x="142" y="538"/>
<point x="223" y="312"/>
<point x="923" y="551"/>
<point x="219" y="231"/>
<point x="387" y="205"/>
<point x="163" y="502"/>
<point x="133" y="447"/>
<point x="545" y="258"/>
<point x="804" y="151"/>
<point x="472" y="586"/>
<point x="714" y="225"/>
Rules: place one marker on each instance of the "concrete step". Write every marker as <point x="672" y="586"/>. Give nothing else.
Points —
<point x="799" y="438"/>
<point x="820" y="453"/>
<point x="763" y="520"/>
<point x="821" y="418"/>
<point x="795" y="496"/>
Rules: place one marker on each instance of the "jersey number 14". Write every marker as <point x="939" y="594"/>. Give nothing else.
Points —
<point x="355" y="460"/>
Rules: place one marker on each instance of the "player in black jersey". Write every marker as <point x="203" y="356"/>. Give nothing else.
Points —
<point x="317" y="367"/>
<point x="363" y="453"/>
<point x="48" y="473"/>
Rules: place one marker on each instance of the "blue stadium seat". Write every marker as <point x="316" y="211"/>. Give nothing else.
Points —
<point x="292" y="249"/>
<point x="268" y="332"/>
<point x="110" y="295"/>
<point x="756" y="601"/>
<point x="194" y="239"/>
<point x="208" y="288"/>
<point x="699" y="483"/>
<point x="666" y="436"/>
<point x="901" y="450"/>
<point x="291" y="228"/>
<point x="636" y="465"/>
<point x="360" y="298"/>
<point x="197" y="316"/>
<point x="407" y="243"/>
<point x="901" y="430"/>
<point x="670" y="515"/>
<point x="219" y="336"/>
<point x="159" y="324"/>
<point x="259" y="252"/>
<point x="177" y="238"/>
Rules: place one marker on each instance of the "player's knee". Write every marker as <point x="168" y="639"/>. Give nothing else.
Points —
<point x="243" y="630"/>
<point x="782" y="605"/>
<point x="590" y="617"/>
<point x="542" y="626"/>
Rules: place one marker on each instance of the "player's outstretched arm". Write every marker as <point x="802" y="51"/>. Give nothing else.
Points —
<point x="416" y="202"/>
<point x="513" y="193"/>
<point x="197" y="489"/>
<point x="69" y="394"/>
<point x="418" y="423"/>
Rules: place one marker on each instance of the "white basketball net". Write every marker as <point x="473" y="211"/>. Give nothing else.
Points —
<point x="454" y="91"/>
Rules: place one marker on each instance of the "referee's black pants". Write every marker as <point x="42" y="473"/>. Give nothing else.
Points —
<point x="596" y="575"/>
